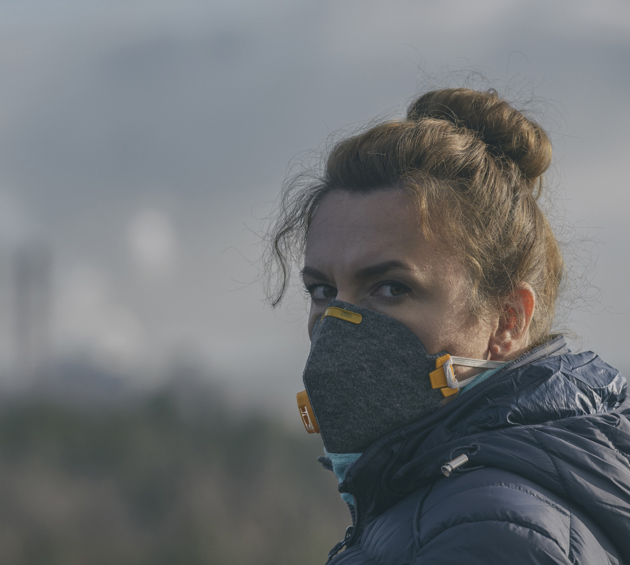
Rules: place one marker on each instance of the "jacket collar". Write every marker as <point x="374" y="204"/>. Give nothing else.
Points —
<point x="546" y="384"/>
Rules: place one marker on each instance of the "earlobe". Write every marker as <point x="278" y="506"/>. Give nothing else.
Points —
<point x="512" y="333"/>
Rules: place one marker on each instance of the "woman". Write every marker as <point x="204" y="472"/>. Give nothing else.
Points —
<point x="460" y="428"/>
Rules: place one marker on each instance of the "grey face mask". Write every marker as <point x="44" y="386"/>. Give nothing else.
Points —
<point x="367" y="375"/>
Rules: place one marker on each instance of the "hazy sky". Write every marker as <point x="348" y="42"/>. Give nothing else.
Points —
<point x="144" y="141"/>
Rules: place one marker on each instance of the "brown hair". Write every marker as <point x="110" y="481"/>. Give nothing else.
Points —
<point x="474" y="166"/>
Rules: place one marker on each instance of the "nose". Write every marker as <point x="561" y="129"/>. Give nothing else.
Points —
<point x="347" y="296"/>
<point x="316" y="312"/>
<point x="347" y="300"/>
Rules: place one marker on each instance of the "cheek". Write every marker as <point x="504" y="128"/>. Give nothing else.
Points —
<point x="433" y="338"/>
<point x="427" y="324"/>
<point x="468" y="337"/>
<point x="445" y="324"/>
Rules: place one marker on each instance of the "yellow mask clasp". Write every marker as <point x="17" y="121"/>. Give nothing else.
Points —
<point x="306" y="413"/>
<point x="444" y="377"/>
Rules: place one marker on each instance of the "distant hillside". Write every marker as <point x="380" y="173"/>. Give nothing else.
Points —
<point x="170" y="480"/>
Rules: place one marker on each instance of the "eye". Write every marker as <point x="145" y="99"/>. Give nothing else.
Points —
<point x="391" y="289"/>
<point x="321" y="293"/>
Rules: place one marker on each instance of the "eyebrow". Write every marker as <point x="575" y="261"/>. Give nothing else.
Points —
<point x="380" y="269"/>
<point x="361" y="274"/>
<point x="314" y="273"/>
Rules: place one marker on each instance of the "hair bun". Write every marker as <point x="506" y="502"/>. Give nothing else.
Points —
<point x="504" y="130"/>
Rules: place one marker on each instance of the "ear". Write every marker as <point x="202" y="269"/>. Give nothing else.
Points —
<point x="511" y="337"/>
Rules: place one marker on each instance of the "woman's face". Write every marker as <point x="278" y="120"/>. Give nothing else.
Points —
<point x="369" y="250"/>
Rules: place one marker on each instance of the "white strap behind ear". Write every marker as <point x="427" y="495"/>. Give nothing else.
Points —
<point x="466" y="362"/>
<point x="476" y="362"/>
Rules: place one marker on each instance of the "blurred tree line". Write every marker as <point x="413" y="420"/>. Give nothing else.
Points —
<point x="173" y="478"/>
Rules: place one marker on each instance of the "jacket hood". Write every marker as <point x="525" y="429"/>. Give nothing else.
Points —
<point x="558" y="419"/>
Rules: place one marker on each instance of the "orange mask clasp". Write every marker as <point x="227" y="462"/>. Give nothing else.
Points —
<point x="306" y="413"/>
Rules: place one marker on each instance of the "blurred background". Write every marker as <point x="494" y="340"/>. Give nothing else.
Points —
<point x="147" y="392"/>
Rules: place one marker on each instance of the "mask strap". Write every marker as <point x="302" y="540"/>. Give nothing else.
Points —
<point x="467" y="362"/>
<point x="444" y="377"/>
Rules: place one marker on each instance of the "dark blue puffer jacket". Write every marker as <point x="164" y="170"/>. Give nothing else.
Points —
<point x="547" y="482"/>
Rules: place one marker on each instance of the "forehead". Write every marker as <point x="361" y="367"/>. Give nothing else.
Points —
<point x="362" y="227"/>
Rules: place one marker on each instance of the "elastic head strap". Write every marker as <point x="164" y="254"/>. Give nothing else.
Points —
<point x="444" y="377"/>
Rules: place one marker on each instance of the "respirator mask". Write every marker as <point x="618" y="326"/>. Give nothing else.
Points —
<point x="368" y="374"/>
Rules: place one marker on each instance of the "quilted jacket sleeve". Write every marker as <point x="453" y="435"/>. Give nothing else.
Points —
<point x="483" y="518"/>
<point x="493" y="543"/>
<point x="480" y="543"/>
<point x="502" y="521"/>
